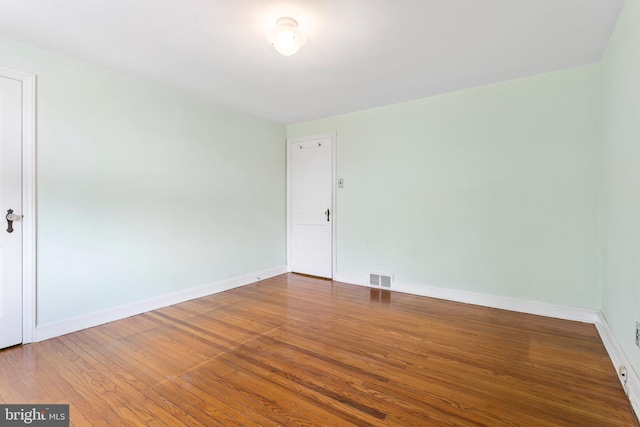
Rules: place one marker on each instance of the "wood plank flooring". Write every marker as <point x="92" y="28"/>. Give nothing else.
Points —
<point x="295" y="350"/>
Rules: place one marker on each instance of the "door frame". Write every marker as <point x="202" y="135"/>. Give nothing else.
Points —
<point x="290" y="141"/>
<point x="28" y="81"/>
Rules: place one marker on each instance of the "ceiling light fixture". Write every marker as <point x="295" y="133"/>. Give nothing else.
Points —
<point x="286" y="37"/>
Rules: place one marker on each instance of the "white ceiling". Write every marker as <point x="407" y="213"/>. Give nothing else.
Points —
<point x="359" y="53"/>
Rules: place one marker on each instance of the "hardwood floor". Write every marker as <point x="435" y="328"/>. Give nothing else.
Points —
<point x="295" y="350"/>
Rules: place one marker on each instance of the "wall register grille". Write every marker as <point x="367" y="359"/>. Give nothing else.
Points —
<point x="380" y="280"/>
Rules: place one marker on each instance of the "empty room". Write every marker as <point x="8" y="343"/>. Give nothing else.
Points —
<point x="331" y="213"/>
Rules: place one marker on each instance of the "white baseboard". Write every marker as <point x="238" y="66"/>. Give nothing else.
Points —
<point x="505" y="303"/>
<point x="55" y="329"/>
<point x="618" y="358"/>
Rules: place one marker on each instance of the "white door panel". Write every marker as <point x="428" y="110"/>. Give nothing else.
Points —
<point x="311" y="210"/>
<point x="318" y="235"/>
<point x="10" y="198"/>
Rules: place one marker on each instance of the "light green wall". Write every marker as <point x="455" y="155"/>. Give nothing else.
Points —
<point x="621" y="180"/>
<point x="491" y="190"/>
<point x="144" y="191"/>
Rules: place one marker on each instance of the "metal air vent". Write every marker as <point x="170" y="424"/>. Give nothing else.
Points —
<point x="380" y="280"/>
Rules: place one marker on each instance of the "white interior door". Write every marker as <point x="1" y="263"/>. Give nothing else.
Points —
<point x="311" y="206"/>
<point x="10" y="203"/>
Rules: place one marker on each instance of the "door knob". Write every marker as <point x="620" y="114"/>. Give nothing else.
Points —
<point x="10" y="218"/>
<point x="327" y="213"/>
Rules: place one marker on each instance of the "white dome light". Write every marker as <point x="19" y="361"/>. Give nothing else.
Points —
<point x="287" y="38"/>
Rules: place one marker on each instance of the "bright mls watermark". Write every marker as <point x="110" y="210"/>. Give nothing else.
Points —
<point x="34" y="415"/>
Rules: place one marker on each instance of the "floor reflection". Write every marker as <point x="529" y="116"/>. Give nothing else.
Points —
<point x="380" y="296"/>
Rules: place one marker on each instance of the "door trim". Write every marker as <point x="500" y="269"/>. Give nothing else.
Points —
<point x="28" y="199"/>
<point x="334" y="212"/>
